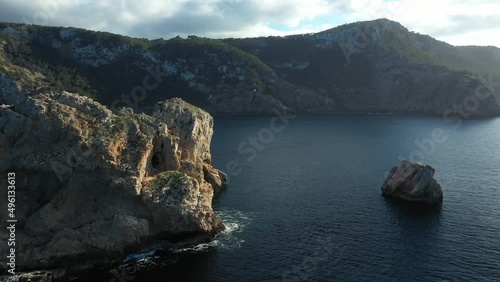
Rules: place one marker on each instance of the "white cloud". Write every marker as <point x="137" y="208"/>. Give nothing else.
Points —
<point x="458" y="22"/>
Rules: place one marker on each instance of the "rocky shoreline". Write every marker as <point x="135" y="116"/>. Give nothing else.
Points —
<point x="98" y="185"/>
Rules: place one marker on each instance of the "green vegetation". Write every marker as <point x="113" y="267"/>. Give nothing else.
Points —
<point x="199" y="47"/>
<point x="86" y="36"/>
<point x="195" y="62"/>
<point x="139" y="143"/>
<point x="41" y="67"/>
<point x="392" y="39"/>
<point x="172" y="179"/>
<point x="420" y="48"/>
<point x="121" y="127"/>
<point x="354" y="26"/>
<point x="123" y="122"/>
<point x="178" y="178"/>
<point x="179" y="103"/>
<point x="37" y="75"/>
<point x="111" y="39"/>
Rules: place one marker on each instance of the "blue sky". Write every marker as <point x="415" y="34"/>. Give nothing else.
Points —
<point x="459" y="22"/>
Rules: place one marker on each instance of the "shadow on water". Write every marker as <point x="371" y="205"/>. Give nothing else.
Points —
<point x="218" y="196"/>
<point x="184" y="264"/>
<point x="412" y="210"/>
<point x="158" y="265"/>
<point x="417" y="226"/>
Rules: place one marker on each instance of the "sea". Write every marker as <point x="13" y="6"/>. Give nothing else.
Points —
<point x="303" y="202"/>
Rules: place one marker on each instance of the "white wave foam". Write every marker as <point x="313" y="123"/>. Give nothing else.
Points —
<point x="231" y="227"/>
<point x="235" y="222"/>
<point x="139" y="257"/>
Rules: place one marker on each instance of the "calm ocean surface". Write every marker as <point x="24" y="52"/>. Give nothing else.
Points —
<point x="307" y="206"/>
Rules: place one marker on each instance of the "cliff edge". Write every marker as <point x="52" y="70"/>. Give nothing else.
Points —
<point x="94" y="185"/>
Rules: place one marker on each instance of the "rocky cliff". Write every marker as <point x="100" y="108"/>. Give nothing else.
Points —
<point x="374" y="66"/>
<point x="94" y="185"/>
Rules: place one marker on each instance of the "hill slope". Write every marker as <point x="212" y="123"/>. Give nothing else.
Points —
<point x="375" y="66"/>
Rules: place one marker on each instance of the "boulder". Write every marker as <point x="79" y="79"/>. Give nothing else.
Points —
<point x="414" y="182"/>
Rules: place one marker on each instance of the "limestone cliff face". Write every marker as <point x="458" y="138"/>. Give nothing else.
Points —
<point x="94" y="184"/>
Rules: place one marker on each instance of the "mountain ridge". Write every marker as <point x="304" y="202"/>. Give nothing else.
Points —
<point x="371" y="66"/>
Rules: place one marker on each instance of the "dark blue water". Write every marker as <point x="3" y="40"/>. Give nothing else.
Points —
<point x="308" y="207"/>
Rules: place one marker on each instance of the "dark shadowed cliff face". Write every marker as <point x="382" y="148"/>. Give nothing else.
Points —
<point x="376" y="66"/>
<point x="380" y="66"/>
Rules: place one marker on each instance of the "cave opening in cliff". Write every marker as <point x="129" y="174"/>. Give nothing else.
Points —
<point x="155" y="162"/>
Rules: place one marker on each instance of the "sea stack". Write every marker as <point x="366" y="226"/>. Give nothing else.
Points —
<point x="414" y="182"/>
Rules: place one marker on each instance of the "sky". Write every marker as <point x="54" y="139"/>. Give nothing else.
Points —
<point x="458" y="22"/>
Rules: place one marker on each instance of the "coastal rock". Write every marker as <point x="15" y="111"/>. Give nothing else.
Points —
<point x="36" y="276"/>
<point x="413" y="182"/>
<point x="95" y="185"/>
<point x="194" y="127"/>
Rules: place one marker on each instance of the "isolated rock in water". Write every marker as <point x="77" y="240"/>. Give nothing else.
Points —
<point x="413" y="182"/>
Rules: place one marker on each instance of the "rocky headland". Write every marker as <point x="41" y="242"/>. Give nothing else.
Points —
<point x="124" y="166"/>
<point x="94" y="185"/>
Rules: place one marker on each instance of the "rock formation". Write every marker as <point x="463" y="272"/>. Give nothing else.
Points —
<point x="413" y="182"/>
<point x="94" y="185"/>
<point x="35" y="276"/>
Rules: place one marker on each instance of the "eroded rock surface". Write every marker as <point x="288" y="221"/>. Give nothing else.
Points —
<point x="413" y="182"/>
<point x="94" y="185"/>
